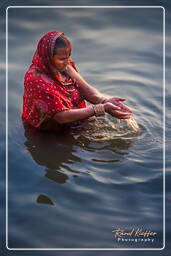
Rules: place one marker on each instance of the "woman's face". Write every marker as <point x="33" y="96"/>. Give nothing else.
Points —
<point x="60" y="59"/>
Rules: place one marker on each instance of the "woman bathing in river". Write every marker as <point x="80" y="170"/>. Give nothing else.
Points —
<point x="55" y="92"/>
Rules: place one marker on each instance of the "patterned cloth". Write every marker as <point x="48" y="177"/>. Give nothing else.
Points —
<point x="46" y="91"/>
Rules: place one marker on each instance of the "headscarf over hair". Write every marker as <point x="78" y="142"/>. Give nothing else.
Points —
<point x="42" y="58"/>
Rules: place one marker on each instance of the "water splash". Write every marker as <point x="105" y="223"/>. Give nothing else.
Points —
<point x="109" y="128"/>
<point x="129" y="124"/>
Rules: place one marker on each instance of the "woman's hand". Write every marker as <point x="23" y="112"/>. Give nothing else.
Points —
<point x="117" y="111"/>
<point x="118" y="102"/>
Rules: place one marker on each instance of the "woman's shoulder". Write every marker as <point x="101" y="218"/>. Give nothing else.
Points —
<point x="37" y="76"/>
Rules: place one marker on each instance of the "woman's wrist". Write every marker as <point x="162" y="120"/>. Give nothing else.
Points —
<point x="101" y="100"/>
<point x="107" y="107"/>
<point x="99" y="110"/>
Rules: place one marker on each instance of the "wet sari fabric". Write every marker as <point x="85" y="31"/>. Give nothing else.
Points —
<point x="46" y="91"/>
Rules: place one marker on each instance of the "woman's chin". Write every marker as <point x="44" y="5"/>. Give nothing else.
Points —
<point x="62" y="69"/>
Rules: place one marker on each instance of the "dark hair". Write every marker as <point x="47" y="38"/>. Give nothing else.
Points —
<point x="61" y="42"/>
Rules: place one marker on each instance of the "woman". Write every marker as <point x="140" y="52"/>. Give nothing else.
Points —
<point x="55" y="92"/>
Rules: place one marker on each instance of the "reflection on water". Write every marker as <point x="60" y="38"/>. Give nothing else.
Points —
<point x="70" y="189"/>
<point x="56" y="151"/>
<point x="51" y="151"/>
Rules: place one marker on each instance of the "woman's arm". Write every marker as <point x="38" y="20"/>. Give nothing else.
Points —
<point x="87" y="91"/>
<point x="72" y="115"/>
<point x="92" y="95"/>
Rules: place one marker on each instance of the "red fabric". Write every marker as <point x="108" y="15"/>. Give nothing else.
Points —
<point x="46" y="92"/>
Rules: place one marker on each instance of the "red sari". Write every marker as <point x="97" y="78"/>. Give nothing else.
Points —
<point x="46" y="91"/>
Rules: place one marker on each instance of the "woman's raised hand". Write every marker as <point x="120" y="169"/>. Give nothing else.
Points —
<point x="117" y="111"/>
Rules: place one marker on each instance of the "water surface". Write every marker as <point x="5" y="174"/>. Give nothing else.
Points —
<point x="70" y="190"/>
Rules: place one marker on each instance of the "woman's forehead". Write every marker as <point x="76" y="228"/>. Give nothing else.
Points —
<point x="64" y="51"/>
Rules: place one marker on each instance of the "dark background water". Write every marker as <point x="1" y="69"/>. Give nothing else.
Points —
<point x="71" y="190"/>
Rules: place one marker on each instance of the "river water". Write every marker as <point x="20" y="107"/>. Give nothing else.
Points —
<point x="72" y="189"/>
